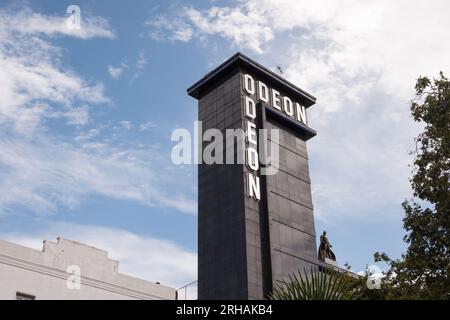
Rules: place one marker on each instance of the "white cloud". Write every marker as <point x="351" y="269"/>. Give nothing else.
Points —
<point x="42" y="169"/>
<point x="74" y="115"/>
<point x="32" y="78"/>
<point x="390" y="39"/>
<point x="140" y="256"/>
<point x="141" y="62"/>
<point x="183" y="34"/>
<point x="125" y="124"/>
<point x="237" y="24"/>
<point x="373" y="271"/>
<point x="375" y="275"/>
<point x="162" y="28"/>
<point x="147" y="125"/>
<point x="91" y="133"/>
<point x="116" y="72"/>
<point x="361" y="59"/>
<point x="28" y="22"/>
<point x="43" y="174"/>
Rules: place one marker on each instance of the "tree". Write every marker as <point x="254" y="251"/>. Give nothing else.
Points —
<point x="423" y="271"/>
<point x="317" y="284"/>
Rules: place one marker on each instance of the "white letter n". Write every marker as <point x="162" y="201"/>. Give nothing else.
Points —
<point x="254" y="191"/>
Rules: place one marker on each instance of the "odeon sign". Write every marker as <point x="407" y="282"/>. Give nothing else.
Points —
<point x="274" y="99"/>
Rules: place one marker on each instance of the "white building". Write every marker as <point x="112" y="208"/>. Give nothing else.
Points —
<point x="69" y="270"/>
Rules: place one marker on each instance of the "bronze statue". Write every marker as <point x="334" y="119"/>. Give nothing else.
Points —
<point x="325" y="249"/>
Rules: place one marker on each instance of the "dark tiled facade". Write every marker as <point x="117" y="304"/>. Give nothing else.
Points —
<point x="221" y="219"/>
<point x="244" y="245"/>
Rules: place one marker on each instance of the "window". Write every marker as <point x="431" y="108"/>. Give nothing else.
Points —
<point x="24" y="296"/>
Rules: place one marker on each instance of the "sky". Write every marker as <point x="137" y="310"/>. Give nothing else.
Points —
<point x="86" y="117"/>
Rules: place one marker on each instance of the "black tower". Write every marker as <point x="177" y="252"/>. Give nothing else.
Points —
<point x="245" y="245"/>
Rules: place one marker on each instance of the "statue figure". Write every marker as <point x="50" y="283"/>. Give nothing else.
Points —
<point x="325" y="249"/>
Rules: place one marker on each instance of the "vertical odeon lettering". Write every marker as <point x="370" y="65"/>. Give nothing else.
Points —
<point x="251" y="153"/>
<point x="274" y="99"/>
<point x="249" y="84"/>
<point x="250" y="108"/>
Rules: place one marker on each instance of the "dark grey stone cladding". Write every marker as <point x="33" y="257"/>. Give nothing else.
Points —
<point x="290" y="209"/>
<point x="246" y="246"/>
<point x="222" y="269"/>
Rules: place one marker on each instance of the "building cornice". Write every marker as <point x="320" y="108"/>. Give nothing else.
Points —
<point x="85" y="281"/>
<point x="198" y="89"/>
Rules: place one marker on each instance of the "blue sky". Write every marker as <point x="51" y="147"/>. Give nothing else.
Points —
<point x="86" y="117"/>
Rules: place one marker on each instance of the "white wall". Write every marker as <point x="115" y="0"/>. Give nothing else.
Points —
<point x="43" y="274"/>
